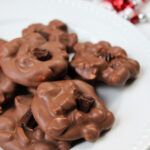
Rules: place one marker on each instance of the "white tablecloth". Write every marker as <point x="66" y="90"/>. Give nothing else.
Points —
<point x="144" y="27"/>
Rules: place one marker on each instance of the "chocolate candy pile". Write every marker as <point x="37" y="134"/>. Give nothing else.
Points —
<point x="44" y="102"/>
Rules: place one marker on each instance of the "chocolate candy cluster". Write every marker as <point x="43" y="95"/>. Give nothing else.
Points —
<point x="44" y="102"/>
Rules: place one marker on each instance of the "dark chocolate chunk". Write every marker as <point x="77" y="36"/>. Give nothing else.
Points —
<point x="44" y="34"/>
<point x="28" y="122"/>
<point x="84" y="103"/>
<point x="42" y="54"/>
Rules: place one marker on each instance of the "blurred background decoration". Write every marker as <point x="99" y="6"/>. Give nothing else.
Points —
<point x="132" y="10"/>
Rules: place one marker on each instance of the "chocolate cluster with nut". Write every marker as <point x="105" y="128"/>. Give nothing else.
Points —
<point x="103" y="62"/>
<point x="72" y="111"/>
<point x="46" y="102"/>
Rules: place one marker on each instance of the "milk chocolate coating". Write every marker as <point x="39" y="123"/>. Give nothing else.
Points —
<point x="70" y="110"/>
<point x="55" y="31"/>
<point x="7" y="87"/>
<point x="18" y="130"/>
<point x="7" y="90"/>
<point x="31" y="60"/>
<point x="57" y="24"/>
<point x="68" y="40"/>
<point x="35" y="28"/>
<point x="119" y="71"/>
<point x="103" y="62"/>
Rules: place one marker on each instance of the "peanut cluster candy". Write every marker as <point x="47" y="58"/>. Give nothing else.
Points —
<point x="31" y="60"/>
<point x="70" y="110"/>
<point x="103" y="62"/>
<point x="18" y="129"/>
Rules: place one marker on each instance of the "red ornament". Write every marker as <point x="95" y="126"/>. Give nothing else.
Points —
<point x="135" y="19"/>
<point x="129" y="5"/>
<point x="128" y="9"/>
<point x="120" y="5"/>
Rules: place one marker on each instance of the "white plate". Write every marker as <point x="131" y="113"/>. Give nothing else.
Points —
<point x="130" y="104"/>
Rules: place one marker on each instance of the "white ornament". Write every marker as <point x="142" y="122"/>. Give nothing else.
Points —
<point x="136" y="2"/>
<point x="144" y="17"/>
<point x="127" y="13"/>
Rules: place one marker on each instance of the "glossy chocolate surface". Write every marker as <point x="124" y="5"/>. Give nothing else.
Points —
<point x="103" y="62"/>
<point x="70" y="110"/>
<point x="31" y="60"/>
